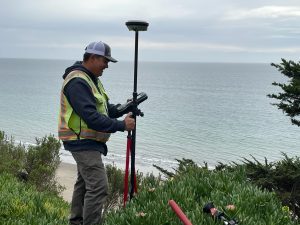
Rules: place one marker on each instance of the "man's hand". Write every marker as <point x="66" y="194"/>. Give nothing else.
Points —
<point x="129" y="122"/>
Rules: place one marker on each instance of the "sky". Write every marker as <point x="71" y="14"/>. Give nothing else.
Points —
<point x="179" y="30"/>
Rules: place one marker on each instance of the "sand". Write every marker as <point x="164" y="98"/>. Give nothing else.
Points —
<point x="66" y="175"/>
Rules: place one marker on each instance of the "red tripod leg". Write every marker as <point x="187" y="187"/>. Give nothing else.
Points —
<point x="135" y="184"/>
<point x="125" y="195"/>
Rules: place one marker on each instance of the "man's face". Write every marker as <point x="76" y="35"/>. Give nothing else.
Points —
<point x="99" y="64"/>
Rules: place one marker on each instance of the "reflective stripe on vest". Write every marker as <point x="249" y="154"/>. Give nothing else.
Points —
<point x="71" y="126"/>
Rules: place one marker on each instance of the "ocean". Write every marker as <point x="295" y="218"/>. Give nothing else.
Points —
<point x="207" y="112"/>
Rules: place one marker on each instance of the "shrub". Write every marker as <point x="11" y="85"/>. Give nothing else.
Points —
<point x="282" y="177"/>
<point x="12" y="156"/>
<point x="41" y="163"/>
<point x="36" y="164"/>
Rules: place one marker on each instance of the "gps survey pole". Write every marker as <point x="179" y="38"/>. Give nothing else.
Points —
<point x="136" y="26"/>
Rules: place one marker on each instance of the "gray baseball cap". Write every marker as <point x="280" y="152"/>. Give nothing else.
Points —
<point x="100" y="48"/>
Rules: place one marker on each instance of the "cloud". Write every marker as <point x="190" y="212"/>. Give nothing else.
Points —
<point x="265" y="12"/>
<point x="190" y="46"/>
<point x="52" y="28"/>
<point x="209" y="46"/>
<point x="93" y="10"/>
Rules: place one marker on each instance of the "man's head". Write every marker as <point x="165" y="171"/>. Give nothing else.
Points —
<point x="100" y="48"/>
<point x="96" y="57"/>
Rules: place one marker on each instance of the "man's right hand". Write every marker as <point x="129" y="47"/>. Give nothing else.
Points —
<point x="129" y="122"/>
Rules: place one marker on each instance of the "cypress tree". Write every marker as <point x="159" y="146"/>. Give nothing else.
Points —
<point x="289" y="98"/>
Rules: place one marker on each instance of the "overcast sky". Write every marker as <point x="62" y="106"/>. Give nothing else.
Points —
<point x="179" y="30"/>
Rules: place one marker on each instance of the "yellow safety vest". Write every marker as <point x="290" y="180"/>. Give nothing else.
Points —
<point x="71" y="126"/>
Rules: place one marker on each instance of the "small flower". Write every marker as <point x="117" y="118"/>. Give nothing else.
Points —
<point x="151" y="189"/>
<point x="141" y="214"/>
<point x="230" y="207"/>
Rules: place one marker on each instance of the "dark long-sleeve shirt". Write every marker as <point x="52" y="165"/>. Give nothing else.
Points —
<point x="82" y="100"/>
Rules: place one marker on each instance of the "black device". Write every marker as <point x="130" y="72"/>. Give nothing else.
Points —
<point x="130" y="107"/>
<point x="137" y="25"/>
<point x="210" y="208"/>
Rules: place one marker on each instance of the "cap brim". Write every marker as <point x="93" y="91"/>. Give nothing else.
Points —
<point x="111" y="59"/>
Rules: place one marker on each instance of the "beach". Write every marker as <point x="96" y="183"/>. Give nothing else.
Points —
<point x="66" y="175"/>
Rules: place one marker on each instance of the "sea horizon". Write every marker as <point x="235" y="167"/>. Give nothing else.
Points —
<point x="147" y="61"/>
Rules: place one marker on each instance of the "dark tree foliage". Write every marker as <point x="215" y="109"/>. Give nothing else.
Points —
<point x="289" y="98"/>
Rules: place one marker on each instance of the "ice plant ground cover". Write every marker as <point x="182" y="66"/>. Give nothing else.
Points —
<point x="23" y="204"/>
<point x="261" y="192"/>
<point x="192" y="187"/>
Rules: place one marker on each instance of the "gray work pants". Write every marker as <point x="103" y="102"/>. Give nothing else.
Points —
<point x="90" y="189"/>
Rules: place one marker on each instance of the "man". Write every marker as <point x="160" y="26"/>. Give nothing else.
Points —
<point x="86" y="121"/>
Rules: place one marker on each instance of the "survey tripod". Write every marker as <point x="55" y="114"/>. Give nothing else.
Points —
<point x="136" y="26"/>
<point x="218" y="215"/>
